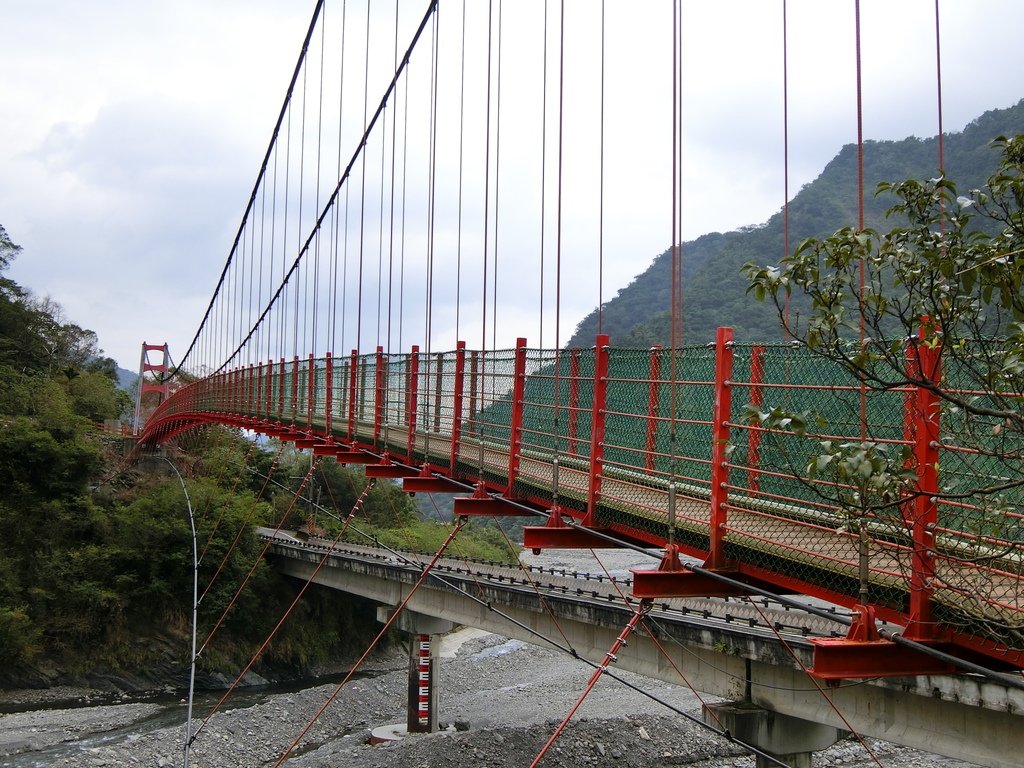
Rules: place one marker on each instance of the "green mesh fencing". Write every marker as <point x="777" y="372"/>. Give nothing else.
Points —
<point x="658" y="416"/>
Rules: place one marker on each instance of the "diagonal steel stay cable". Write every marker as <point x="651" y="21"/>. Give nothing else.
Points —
<point x="817" y="685"/>
<point x="567" y="648"/>
<point x="245" y="523"/>
<point x="527" y="577"/>
<point x="394" y="616"/>
<point x="661" y="648"/>
<point x="609" y="657"/>
<point x="220" y="473"/>
<point x="227" y="503"/>
<point x="258" y="559"/>
<point x="302" y="591"/>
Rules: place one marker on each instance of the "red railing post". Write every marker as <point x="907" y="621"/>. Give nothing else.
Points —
<point x="310" y="393"/>
<point x="597" y="421"/>
<point x="653" y="402"/>
<point x="756" y="399"/>
<point x="352" y="370"/>
<point x="328" y="393"/>
<point x="924" y="364"/>
<point x="515" y="434"/>
<point x="720" y="439"/>
<point x="460" y="376"/>
<point x="574" y="397"/>
<point x="412" y="398"/>
<point x="378" y="395"/>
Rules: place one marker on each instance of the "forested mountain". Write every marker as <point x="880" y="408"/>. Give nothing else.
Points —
<point x="713" y="289"/>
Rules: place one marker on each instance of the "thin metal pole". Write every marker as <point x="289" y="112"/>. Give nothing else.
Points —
<point x="195" y="605"/>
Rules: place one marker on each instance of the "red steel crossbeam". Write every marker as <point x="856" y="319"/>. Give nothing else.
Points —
<point x="516" y="422"/>
<point x="863" y="653"/>
<point x="653" y="400"/>
<point x="597" y="422"/>
<point x="460" y="376"/>
<point x="719" y="442"/>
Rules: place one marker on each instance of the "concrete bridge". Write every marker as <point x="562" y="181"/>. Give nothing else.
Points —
<point x="753" y="653"/>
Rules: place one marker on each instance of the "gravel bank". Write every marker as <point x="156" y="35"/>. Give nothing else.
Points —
<point x="510" y="695"/>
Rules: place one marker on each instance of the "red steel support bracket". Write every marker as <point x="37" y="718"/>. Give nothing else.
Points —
<point x="720" y="439"/>
<point x="515" y="433"/>
<point x="862" y="653"/>
<point x="481" y="503"/>
<point x="460" y="378"/>
<point x="598" y="414"/>
<point x="557" y="535"/>
<point x="431" y="484"/>
<point x="670" y="579"/>
<point x="385" y="469"/>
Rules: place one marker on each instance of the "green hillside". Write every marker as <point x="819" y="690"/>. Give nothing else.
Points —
<point x="714" y="292"/>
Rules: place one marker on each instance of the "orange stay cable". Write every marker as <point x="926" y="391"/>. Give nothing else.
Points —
<point x="302" y="591"/>
<point x="397" y="612"/>
<point x="226" y="504"/>
<point x="245" y="523"/>
<point x="259" y="557"/>
<point x="609" y="657"/>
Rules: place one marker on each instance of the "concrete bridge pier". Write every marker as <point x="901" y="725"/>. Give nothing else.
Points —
<point x="790" y="740"/>
<point x="423" y="662"/>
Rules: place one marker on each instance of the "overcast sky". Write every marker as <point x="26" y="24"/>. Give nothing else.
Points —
<point x="132" y="132"/>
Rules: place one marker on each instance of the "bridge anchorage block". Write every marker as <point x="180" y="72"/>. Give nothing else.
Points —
<point x="482" y="504"/>
<point x="864" y="653"/>
<point x="670" y="579"/>
<point x="556" y="534"/>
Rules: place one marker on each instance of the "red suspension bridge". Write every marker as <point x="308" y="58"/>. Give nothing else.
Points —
<point x="362" y="209"/>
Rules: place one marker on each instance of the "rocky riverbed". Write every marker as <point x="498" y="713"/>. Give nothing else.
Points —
<point x="505" y="697"/>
